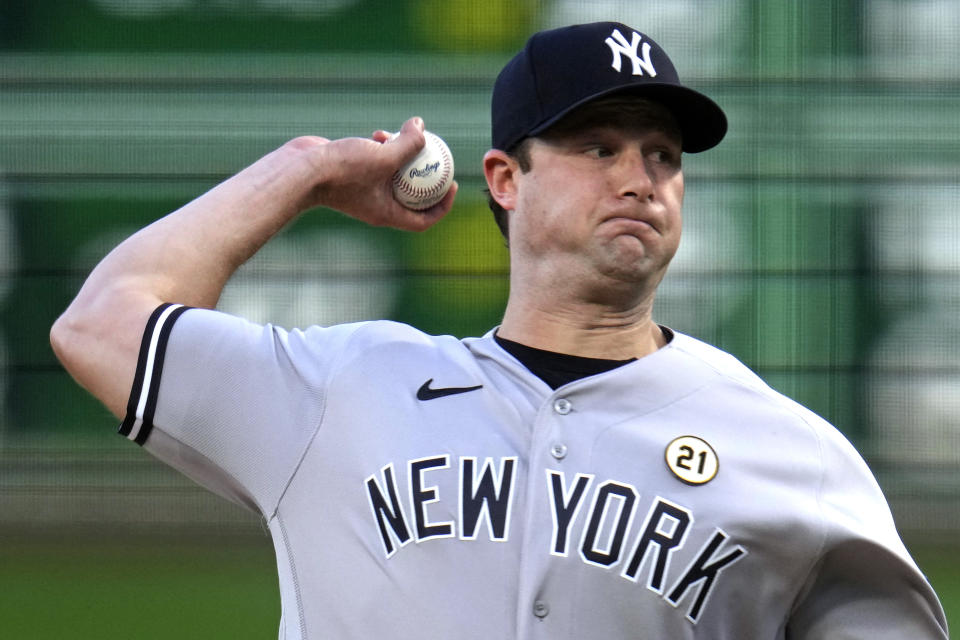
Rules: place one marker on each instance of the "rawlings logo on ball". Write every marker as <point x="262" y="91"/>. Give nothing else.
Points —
<point x="427" y="170"/>
<point x="424" y="181"/>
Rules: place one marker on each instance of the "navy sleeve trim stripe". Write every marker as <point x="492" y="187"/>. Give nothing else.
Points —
<point x="138" y="422"/>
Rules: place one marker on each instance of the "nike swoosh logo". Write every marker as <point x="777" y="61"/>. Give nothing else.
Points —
<point x="426" y="392"/>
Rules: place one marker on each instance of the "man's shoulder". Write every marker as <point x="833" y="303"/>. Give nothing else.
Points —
<point x="733" y="373"/>
<point x="386" y="342"/>
<point x="382" y="333"/>
<point x="362" y="338"/>
<point x="721" y="362"/>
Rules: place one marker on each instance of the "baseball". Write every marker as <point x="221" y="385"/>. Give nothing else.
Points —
<point x="426" y="179"/>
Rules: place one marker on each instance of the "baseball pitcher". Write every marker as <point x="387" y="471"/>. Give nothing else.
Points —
<point x="580" y="471"/>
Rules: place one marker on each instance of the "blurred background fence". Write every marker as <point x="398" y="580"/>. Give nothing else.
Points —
<point x="822" y="241"/>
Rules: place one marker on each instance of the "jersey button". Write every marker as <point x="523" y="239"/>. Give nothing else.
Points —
<point x="541" y="609"/>
<point x="562" y="406"/>
<point x="559" y="451"/>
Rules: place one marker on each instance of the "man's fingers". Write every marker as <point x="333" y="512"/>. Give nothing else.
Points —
<point x="410" y="220"/>
<point x="434" y="214"/>
<point x="414" y="124"/>
<point x="360" y="184"/>
<point x="409" y="140"/>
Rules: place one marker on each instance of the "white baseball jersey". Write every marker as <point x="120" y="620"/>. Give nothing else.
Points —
<point x="419" y="486"/>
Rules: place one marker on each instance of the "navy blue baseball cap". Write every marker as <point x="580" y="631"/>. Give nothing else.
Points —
<point x="560" y="69"/>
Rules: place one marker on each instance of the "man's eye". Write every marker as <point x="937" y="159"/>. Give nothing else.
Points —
<point x="599" y="152"/>
<point x="664" y="156"/>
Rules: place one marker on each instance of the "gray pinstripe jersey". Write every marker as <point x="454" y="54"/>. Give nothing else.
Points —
<point x="423" y="486"/>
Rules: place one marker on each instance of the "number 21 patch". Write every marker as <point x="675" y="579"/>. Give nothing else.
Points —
<point x="692" y="460"/>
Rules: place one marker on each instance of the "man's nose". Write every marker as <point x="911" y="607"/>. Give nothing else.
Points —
<point x="636" y="177"/>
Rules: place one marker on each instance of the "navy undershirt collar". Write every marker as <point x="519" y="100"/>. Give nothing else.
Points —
<point x="558" y="369"/>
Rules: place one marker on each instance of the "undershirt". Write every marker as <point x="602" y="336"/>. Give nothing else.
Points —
<point x="558" y="369"/>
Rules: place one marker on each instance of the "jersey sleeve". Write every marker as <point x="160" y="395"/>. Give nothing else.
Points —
<point x="229" y="403"/>
<point x="864" y="585"/>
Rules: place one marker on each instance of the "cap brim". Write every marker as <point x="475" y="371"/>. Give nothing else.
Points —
<point x="702" y="122"/>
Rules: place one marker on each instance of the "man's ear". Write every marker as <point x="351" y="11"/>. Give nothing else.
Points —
<point x="501" y="170"/>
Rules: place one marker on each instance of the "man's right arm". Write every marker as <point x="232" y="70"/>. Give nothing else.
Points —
<point x="188" y="256"/>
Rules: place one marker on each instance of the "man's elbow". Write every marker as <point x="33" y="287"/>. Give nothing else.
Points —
<point x="73" y="343"/>
<point x="62" y="339"/>
<point x="98" y="347"/>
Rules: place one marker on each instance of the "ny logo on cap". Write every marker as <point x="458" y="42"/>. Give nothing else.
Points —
<point x="620" y="47"/>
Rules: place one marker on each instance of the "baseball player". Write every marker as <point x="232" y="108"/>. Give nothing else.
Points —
<point x="578" y="472"/>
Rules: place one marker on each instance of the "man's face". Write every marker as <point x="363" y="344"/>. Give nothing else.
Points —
<point x="601" y="203"/>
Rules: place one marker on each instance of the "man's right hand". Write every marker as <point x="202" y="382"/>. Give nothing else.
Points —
<point x="355" y="176"/>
